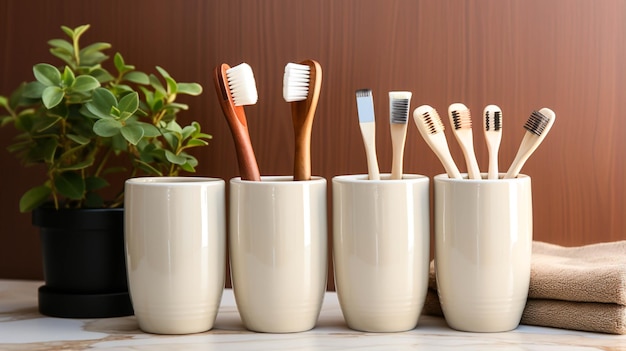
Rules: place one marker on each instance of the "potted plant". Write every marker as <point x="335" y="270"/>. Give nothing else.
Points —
<point x="86" y="124"/>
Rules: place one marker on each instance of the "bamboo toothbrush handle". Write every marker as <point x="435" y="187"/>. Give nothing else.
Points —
<point x="248" y="167"/>
<point x="493" y="165"/>
<point x="302" y="157"/>
<point x="398" y="137"/>
<point x="368" y="131"/>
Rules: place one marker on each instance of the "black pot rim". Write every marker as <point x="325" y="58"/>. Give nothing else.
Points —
<point x="78" y="219"/>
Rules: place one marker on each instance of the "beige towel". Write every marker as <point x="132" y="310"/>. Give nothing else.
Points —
<point x="581" y="288"/>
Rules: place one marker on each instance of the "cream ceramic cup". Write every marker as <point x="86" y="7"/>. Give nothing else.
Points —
<point x="175" y="240"/>
<point x="278" y="252"/>
<point x="381" y="250"/>
<point x="483" y="241"/>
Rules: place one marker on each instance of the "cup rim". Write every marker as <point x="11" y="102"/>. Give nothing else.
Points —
<point x="384" y="178"/>
<point x="176" y="180"/>
<point x="443" y="177"/>
<point x="278" y="179"/>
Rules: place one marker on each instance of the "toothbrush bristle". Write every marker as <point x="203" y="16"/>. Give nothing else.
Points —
<point x="428" y="119"/>
<point x="461" y="119"/>
<point x="365" y="105"/>
<point x="296" y="82"/>
<point x="536" y="123"/>
<point x="493" y="118"/>
<point x="399" y="106"/>
<point x="242" y="84"/>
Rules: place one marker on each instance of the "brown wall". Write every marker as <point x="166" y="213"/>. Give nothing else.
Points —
<point x="569" y="55"/>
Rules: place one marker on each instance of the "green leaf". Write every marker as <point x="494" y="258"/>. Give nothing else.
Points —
<point x="4" y="102"/>
<point x="80" y="30"/>
<point x="101" y="75"/>
<point x="95" y="47"/>
<point x="129" y="103"/>
<point x="68" y="77"/>
<point x="33" y="90"/>
<point x="47" y="74"/>
<point x="52" y="96"/>
<point x="63" y="55"/>
<point x="175" y="159"/>
<point x="163" y="72"/>
<point x="62" y="44"/>
<point x="95" y="183"/>
<point x="132" y="133"/>
<point x="78" y="139"/>
<point x="107" y="127"/>
<point x="85" y="83"/>
<point x="78" y="166"/>
<point x="193" y="89"/>
<point x="196" y="142"/>
<point x="34" y="197"/>
<point x="137" y="77"/>
<point x="156" y="84"/>
<point x="101" y="103"/>
<point x="172" y="87"/>
<point x="149" y="130"/>
<point x="69" y="31"/>
<point x="118" y="61"/>
<point x="93" y="200"/>
<point x="188" y="131"/>
<point x="188" y="168"/>
<point x="70" y="185"/>
<point x="46" y="122"/>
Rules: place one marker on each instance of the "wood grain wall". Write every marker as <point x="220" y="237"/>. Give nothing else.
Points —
<point x="569" y="55"/>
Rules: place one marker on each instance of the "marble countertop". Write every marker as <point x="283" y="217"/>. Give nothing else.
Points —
<point x="23" y="328"/>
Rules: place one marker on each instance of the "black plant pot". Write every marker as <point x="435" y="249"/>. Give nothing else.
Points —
<point x="84" y="263"/>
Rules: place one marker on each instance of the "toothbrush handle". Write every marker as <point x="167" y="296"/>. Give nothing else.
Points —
<point x="248" y="168"/>
<point x="302" y="156"/>
<point x="368" y="131"/>
<point x="398" y="138"/>
<point x="493" y="165"/>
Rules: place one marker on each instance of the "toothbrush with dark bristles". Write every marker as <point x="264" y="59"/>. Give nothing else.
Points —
<point x="461" y="122"/>
<point x="365" y="110"/>
<point x="302" y="84"/>
<point x="493" y="135"/>
<point x="537" y="127"/>
<point x="235" y="88"/>
<point x="430" y="127"/>
<point x="399" y="104"/>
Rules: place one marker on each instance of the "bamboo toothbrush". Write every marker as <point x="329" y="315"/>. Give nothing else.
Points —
<point x="537" y="127"/>
<point x="365" y="109"/>
<point x="430" y="127"/>
<point x="493" y="135"/>
<point x="302" y="84"/>
<point x="461" y="122"/>
<point x="399" y="104"/>
<point x="235" y="88"/>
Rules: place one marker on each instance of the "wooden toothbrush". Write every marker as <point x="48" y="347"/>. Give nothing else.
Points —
<point x="235" y="88"/>
<point x="461" y="122"/>
<point x="537" y="127"/>
<point x="367" y="122"/>
<point x="430" y="127"/>
<point x="492" y="122"/>
<point x="399" y="104"/>
<point x="302" y="84"/>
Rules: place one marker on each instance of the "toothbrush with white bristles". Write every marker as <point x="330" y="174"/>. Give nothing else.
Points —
<point x="461" y="122"/>
<point x="430" y="127"/>
<point x="365" y="110"/>
<point x="235" y="88"/>
<point x="399" y="104"/>
<point x="537" y="127"/>
<point x="493" y="135"/>
<point x="302" y="83"/>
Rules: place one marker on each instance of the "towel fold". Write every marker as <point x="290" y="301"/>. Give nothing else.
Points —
<point x="579" y="288"/>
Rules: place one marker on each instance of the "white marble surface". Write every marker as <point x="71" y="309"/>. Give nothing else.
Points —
<point x="23" y="328"/>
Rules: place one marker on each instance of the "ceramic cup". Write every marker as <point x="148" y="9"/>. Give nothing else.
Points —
<point x="483" y="241"/>
<point x="381" y="249"/>
<point x="278" y="252"/>
<point x="175" y="240"/>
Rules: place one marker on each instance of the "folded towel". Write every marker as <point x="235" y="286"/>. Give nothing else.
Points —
<point x="597" y="317"/>
<point x="590" y="273"/>
<point x="581" y="288"/>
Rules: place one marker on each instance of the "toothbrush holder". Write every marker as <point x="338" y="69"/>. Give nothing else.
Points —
<point x="381" y="234"/>
<point x="278" y="252"/>
<point x="175" y="240"/>
<point x="483" y="242"/>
